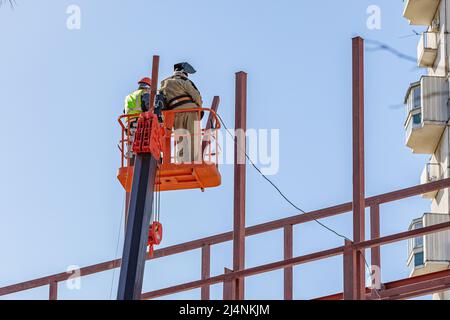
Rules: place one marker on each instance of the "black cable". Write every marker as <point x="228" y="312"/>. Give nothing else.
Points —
<point x="158" y="187"/>
<point x="122" y="216"/>
<point x="290" y="202"/>
<point x="276" y="187"/>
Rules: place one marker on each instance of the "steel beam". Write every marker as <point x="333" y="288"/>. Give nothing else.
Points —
<point x="408" y="287"/>
<point x="206" y="270"/>
<point x="349" y="271"/>
<point x="136" y="236"/>
<point x="227" y="236"/>
<point x="348" y="249"/>
<point x="239" y="181"/>
<point x="245" y="273"/>
<point x="53" y="290"/>
<point x="288" y="271"/>
<point x="401" y="236"/>
<point x="417" y="289"/>
<point x="229" y="289"/>
<point x="375" y="252"/>
<point x="209" y="124"/>
<point x="154" y="88"/>
<point x="358" y="161"/>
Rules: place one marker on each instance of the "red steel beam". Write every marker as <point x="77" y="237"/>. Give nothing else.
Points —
<point x="409" y="287"/>
<point x="358" y="162"/>
<point x="349" y="260"/>
<point x="416" y="279"/>
<point x="206" y="270"/>
<point x="228" y="287"/>
<point x="53" y="290"/>
<point x="288" y="254"/>
<point x="63" y="276"/>
<point x="374" y="234"/>
<point x="154" y="88"/>
<point x="401" y="236"/>
<point x="245" y="273"/>
<point x="417" y="289"/>
<point x="214" y="106"/>
<point x="239" y="181"/>
<point x="227" y="236"/>
<point x="248" y="272"/>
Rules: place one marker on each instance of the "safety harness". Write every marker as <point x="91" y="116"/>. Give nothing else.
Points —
<point x="179" y="101"/>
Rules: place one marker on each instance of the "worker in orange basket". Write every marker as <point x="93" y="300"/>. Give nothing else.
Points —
<point x="181" y="93"/>
<point x="135" y="103"/>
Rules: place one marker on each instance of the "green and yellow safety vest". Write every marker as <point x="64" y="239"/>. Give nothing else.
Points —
<point x="133" y="102"/>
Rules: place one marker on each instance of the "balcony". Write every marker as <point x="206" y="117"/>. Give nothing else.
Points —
<point x="427" y="49"/>
<point x="429" y="253"/>
<point x="431" y="172"/>
<point x="420" y="12"/>
<point x="426" y="109"/>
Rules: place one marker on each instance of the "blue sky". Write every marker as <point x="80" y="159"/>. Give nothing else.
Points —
<point x="62" y="91"/>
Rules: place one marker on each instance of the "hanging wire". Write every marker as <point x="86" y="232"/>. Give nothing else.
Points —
<point x="122" y="217"/>
<point x="290" y="202"/>
<point x="276" y="187"/>
<point x="159" y="193"/>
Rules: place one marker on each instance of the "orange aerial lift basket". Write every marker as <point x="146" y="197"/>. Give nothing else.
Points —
<point x="177" y="172"/>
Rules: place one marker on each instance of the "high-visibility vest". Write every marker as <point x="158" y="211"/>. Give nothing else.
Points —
<point x="133" y="102"/>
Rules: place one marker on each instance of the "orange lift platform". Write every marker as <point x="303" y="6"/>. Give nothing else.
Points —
<point x="173" y="174"/>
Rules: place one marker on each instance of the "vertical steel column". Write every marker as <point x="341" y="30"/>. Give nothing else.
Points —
<point x="349" y="274"/>
<point x="214" y="106"/>
<point x="288" y="254"/>
<point x="155" y="71"/>
<point x="228" y="287"/>
<point x="358" y="161"/>
<point x="206" y="270"/>
<point x="53" y="290"/>
<point x="136" y="236"/>
<point x="374" y="234"/>
<point x="239" y="181"/>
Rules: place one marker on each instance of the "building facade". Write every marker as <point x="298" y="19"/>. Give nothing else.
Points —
<point x="427" y="131"/>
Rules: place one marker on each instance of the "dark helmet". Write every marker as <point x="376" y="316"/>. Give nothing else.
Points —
<point x="184" y="67"/>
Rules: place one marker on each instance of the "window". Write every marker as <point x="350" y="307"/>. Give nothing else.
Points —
<point x="418" y="259"/>
<point x="415" y="243"/>
<point x="416" y="97"/>
<point x="417" y="118"/>
<point x="418" y="241"/>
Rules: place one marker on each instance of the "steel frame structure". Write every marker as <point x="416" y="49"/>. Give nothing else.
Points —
<point x="352" y="252"/>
